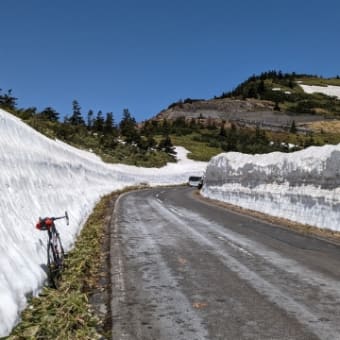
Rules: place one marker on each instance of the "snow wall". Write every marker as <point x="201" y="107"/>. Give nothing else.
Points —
<point x="43" y="177"/>
<point x="303" y="186"/>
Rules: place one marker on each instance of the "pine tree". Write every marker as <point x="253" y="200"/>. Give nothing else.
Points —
<point x="90" y="119"/>
<point x="166" y="127"/>
<point x="293" y="128"/>
<point x="50" y="114"/>
<point x="127" y="127"/>
<point x="76" y="117"/>
<point x="151" y="142"/>
<point x="98" y="122"/>
<point x="261" y="88"/>
<point x="149" y="128"/>
<point x="277" y="106"/>
<point x="167" y="146"/>
<point x="7" y="100"/>
<point x="109" y="124"/>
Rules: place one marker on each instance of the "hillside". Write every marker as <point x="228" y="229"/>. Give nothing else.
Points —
<point x="266" y="113"/>
<point x="248" y="111"/>
<point x="271" y="100"/>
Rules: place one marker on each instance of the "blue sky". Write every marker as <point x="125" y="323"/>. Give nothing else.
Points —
<point x="146" y="54"/>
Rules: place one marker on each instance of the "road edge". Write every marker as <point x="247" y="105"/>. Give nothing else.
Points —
<point x="326" y="235"/>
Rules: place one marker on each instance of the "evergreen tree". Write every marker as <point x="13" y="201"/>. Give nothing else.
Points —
<point x="76" y="117"/>
<point x="277" y="106"/>
<point x="252" y="92"/>
<point x="166" y="127"/>
<point x="151" y="142"/>
<point x="7" y="101"/>
<point x="109" y="124"/>
<point x="127" y="126"/>
<point x="146" y="143"/>
<point x="293" y="128"/>
<point x="28" y="113"/>
<point x="50" y="114"/>
<point x="98" y="122"/>
<point x="261" y="88"/>
<point x="149" y="128"/>
<point x="291" y="83"/>
<point x="90" y="119"/>
<point x="167" y="146"/>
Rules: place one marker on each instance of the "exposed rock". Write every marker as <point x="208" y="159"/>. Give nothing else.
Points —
<point x="249" y="112"/>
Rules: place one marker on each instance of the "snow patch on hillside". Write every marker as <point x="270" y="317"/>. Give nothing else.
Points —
<point x="330" y="90"/>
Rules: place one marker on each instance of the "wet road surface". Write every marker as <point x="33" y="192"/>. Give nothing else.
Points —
<point x="184" y="269"/>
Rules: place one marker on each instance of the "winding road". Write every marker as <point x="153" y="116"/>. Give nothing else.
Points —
<point x="183" y="268"/>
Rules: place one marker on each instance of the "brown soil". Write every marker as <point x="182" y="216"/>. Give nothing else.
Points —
<point x="325" y="126"/>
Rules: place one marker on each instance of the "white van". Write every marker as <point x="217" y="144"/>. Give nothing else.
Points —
<point x="195" y="181"/>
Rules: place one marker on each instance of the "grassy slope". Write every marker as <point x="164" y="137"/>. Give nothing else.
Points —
<point x="320" y="81"/>
<point x="324" y="132"/>
<point x="198" y="151"/>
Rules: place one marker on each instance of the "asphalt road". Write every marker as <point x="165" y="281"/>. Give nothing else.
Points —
<point x="185" y="269"/>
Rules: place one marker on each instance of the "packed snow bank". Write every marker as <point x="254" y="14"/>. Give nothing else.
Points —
<point x="42" y="177"/>
<point x="303" y="186"/>
<point x="329" y="90"/>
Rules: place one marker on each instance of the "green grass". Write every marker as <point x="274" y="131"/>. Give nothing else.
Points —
<point x="126" y="154"/>
<point x="320" y="81"/>
<point x="65" y="313"/>
<point x="199" y="151"/>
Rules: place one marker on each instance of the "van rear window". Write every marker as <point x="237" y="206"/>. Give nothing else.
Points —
<point x="194" y="178"/>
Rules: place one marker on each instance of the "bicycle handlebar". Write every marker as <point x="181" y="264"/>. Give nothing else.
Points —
<point x="60" y="217"/>
<point x="57" y="218"/>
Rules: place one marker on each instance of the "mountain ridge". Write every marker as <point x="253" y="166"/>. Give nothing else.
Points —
<point x="272" y="97"/>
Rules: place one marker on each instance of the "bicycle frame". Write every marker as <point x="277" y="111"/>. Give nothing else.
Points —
<point x="55" y="250"/>
<point x="53" y="236"/>
<point x="55" y="256"/>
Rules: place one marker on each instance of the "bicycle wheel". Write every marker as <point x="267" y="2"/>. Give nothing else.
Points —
<point x="59" y="251"/>
<point x="55" y="259"/>
<point x="52" y="264"/>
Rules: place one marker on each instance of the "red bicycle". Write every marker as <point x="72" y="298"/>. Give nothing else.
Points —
<point x="55" y="250"/>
